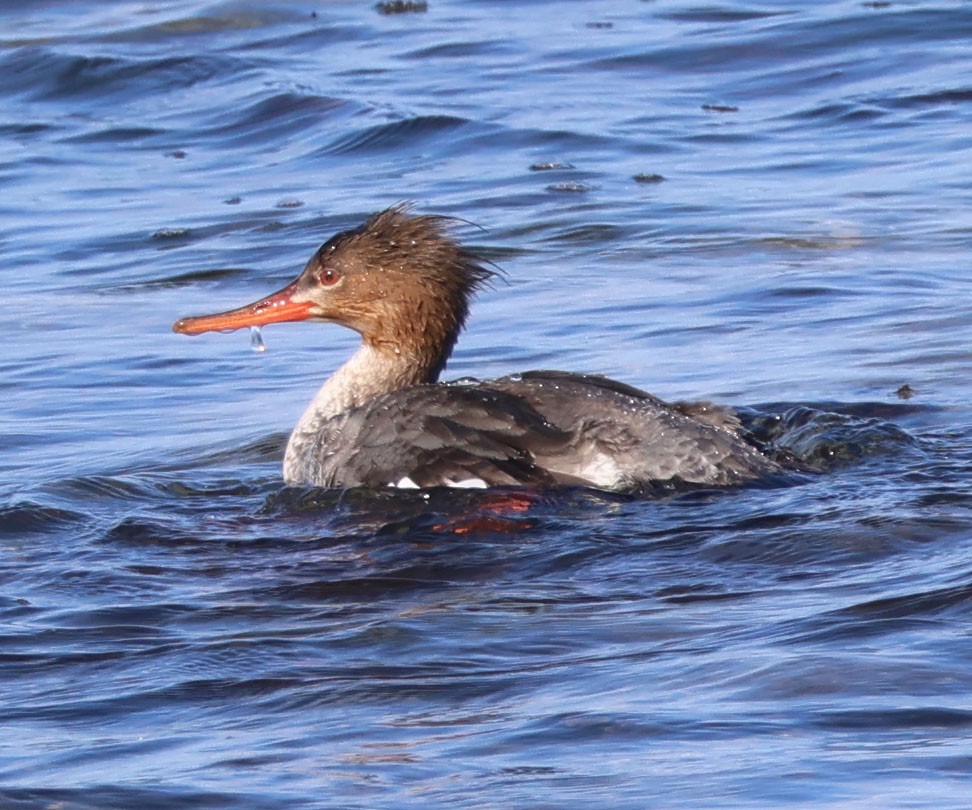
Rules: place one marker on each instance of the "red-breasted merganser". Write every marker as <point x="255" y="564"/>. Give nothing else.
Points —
<point x="383" y="419"/>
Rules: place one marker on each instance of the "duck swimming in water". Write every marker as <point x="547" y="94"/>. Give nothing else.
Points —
<point x="383" y="418"/>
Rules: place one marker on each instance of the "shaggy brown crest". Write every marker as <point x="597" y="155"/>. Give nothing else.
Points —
<point x="406" y="282"/>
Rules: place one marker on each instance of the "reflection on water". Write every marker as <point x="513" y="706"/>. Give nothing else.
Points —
<point x="755" y="206"/>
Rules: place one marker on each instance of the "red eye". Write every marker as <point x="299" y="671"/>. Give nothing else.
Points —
<point x="330" y="277"/>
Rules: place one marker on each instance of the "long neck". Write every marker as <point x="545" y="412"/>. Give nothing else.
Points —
<point x="370" y="372"/>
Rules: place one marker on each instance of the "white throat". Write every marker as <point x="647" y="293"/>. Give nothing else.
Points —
<point x="367" y="374"/>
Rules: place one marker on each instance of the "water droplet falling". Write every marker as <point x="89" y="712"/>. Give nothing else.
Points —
<point x="256" y="339"/>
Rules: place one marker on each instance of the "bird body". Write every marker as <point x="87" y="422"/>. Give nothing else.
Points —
<point x="384" y="419"/>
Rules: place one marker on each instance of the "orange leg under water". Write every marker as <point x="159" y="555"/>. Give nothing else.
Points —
<point x="493" y="513"/>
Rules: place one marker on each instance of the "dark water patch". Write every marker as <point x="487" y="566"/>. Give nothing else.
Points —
<point x="186" y="685"/>
<point x="25" y="129"/>
<point x="201" y="276"/>
<point x="84" y="258"/>
<point x="594" y="234"/>
<point x="723" y="137"/>
<point x="461" y="50"/>
<point x="51" y="76"/>
<point x="534" y="139"/>
<point x="282" y="116"/>
<point x="15" y="608"/>
<point x="96" y="636"/>
<point x="237" y="472"/>
<point x="114" y="135"/>
<point x="235" y="455"/>
<point x="687" y="594"/>
<point x="951" y="98"/>
<point x="719" y="15"/>
<point x="182" y="532"/>
<point x="580" y="728"/>
<point x="918" y="606"/>
<point x="888" y="720"/>
<point x="851" y="113"/>
<point x="312" y="38"/>
<point x="852" y="672"/>
<point x="113" y="797"/>
<point x="27" y="517"/>
<point x="765" y="41"/>
<point x="412" y="133"/>
<point x="800" y="548"/>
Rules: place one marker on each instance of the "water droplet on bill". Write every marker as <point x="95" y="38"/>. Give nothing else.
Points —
<point x="256" y="339"/>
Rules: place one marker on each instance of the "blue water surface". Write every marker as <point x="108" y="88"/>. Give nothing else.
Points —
<point x="764" y="204"/>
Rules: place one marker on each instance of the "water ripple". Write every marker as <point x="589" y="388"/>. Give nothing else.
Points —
<point x="180" y="629"/>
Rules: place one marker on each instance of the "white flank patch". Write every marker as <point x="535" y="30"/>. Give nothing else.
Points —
<point x="469" y="483"/>
<point x="602" y="471"/>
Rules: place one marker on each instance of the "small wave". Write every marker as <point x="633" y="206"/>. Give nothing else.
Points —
<point x="116" y="135"/>
<point x="283" y="116"/>
<point x="385" y="137"/>
<point x="29" y="517"/>
<point x="829" y="436"/>
<point x="51" y="76"/>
